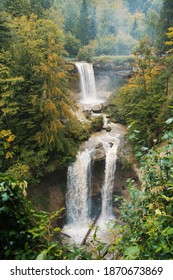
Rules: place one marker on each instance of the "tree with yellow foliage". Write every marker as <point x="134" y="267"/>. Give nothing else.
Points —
<point x="35" y="101"/>
<point x="143" y="99"/>
<point x="170" y="37"/>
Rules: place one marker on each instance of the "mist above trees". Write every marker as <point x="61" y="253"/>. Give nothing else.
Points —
<point x="103" y="27"/>
<point x="100" y="27"/>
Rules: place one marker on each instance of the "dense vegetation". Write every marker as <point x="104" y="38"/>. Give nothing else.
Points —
<point x="39" y="132"/>
<point x="148" y="230"/>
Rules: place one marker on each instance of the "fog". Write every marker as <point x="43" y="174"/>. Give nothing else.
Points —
<point x="109" y="27"/>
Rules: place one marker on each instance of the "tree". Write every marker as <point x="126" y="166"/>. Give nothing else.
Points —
<point x="4" y="30"/>
<point x="166" y="21"/>
<point x="134" y="28"/>
<point x="148" y="230"/>
<point x="152" y="20"/>
<point x="87" y="23"/>
<point x="35" y="101"/>
<point x="17" y="7"/>
<point x="72" y="44"/>
<point x="71" y="12"/>
<point x="142" y="100"/>
<point x="9" y="85"/>
<point x="137" y="5"/>
<point x="40" y="7"/>
<point x="170" y="39"/>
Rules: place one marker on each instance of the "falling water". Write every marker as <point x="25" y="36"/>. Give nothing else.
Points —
<point x="80" y="189"/>
<point x="107" y="190"/>
<point x="87" y="82"/>
<point x="79" y="175"/>
<point x="78" y="185"/>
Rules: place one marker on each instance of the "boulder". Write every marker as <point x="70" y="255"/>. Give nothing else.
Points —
<point x="97" y="108"/>
<point x="108" y="128"/>
<point x="98" y="153"/>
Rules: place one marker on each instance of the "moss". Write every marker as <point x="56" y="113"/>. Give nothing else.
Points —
<point x="96" y="124"/>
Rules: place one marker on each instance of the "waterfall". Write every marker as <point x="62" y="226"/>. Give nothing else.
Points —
<point x="107" y="190"/>
<point x="80" y="191"/>
<point x="78" y="185"/>
<point x="87" y="82"/>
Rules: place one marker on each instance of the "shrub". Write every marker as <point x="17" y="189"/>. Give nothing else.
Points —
<point x="148" y="230"/>
<point x="86" y="53"/>
<point x="96" y="123"/>
<point x="72" y="44"/>
<point x="16" y="219"/>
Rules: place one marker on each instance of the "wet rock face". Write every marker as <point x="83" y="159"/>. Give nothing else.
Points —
<point x="113" y="66"/>
<point x="98" y="153"/>
<point x="50" y="194"/>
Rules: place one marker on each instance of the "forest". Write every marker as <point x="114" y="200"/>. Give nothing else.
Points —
<point x="39" y="131"/>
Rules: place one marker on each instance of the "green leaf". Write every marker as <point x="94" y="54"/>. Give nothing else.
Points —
<point x="50" y="247"/>
<point x="5" y="197"/>
<point x="166" y="198"/>
<point x="158" y="212"/>
<point x="144" y="149"/>
<point x="169" y="121"/>
<point x="167" y="231"/>
<point x="42" y="255"/>
<point x="132" y="252"/>
<point x="56" y="229"/>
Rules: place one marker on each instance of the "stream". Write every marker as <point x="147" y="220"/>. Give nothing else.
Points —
<point x="79" y="202"/>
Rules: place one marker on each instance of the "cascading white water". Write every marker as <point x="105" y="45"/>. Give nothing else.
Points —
<point x="87" y="82"/>
<point x="107" y="190"/>
<point x="78" y="201"/>
<point x="78" y="185"/>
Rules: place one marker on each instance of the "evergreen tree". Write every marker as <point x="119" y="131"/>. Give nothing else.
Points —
<point x="134" y="28"/>
<point x="17" y="7"/>
<point x="166" y="21"/>
<point x="4" y="30"/>
<point x="71" y="16"/>
<point x="40" y="7"/>
<point x="93" y="23"/>
<point x="137" y="5"/>
<point x="87" y="22"/>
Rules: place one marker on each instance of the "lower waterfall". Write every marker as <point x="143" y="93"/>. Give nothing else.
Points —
<point x="78" y="185"/>
<point x="107" y="190"/>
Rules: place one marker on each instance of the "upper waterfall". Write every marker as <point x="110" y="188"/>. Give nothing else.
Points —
<point x="87" y="82"/>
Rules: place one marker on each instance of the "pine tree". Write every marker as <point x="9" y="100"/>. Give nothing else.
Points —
<point x="39" y="7"/>
<point x="166" y="21"/>
<point x="4" y="30"/>
<point x="17" y="7"/>
<point x="87" y="22"/>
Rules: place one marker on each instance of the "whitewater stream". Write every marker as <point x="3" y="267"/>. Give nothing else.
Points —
<point x="79" y="177"/>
